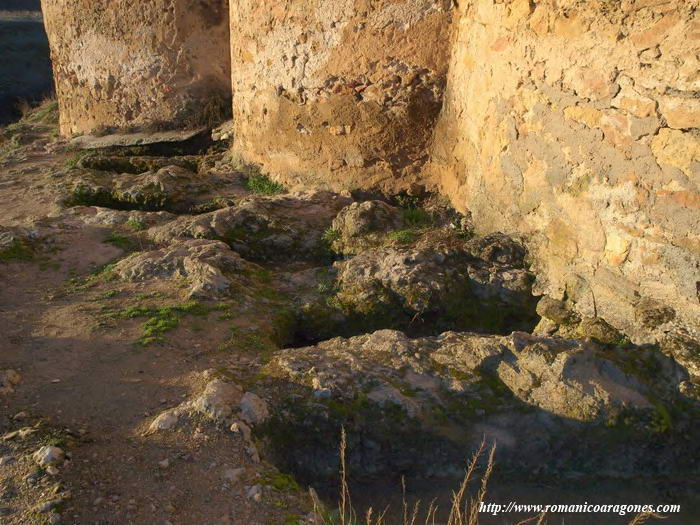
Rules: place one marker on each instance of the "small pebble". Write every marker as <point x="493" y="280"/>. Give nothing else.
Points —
<point x="48" y="455"/>
<point x="254" y="493"/>
<point x="233" y="474"/>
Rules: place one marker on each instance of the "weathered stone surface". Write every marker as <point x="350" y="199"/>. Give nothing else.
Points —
<point x="148" y="184"/>
<point x="574" y="124"/>
<point x="264" y="227"/>
<point x="165" y="420"/>
<point x="217" y="400"/>
<point x="442" y="282"/>
<point x="253" y="409"/>
<point x="117" y="65"/>
<point x="48" y="455"/>
<point x="360" y="223"/>
<point x="443" y="394"/>
<point x="558" y="320"/>
<point x="204" y="263"/>
<point x="108" y="217"/>
<point x="686" y="352"/>
<point x="338" y="94"/>
<point x="148" y="191"/>
<point x="90" y="142"/>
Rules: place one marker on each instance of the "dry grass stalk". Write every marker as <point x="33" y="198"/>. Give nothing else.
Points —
<point x="644" y="517"/>
<point x="463" y="511"/>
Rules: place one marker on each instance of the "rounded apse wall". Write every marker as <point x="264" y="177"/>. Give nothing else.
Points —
<point x="338" y="93"/>
<point x="137" y="65"/>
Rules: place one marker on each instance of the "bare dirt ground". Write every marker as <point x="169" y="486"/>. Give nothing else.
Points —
<point x="88" y="387"/>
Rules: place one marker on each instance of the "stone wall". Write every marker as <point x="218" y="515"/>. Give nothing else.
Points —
<point x="577" y="125"/>
<point x="119" y="63"/>
<point x="338" y="93"/>
<point x="572" y="123"/>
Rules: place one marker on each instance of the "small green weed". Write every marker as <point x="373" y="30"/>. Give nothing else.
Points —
<point x="416" y="217"/>
<point x="331" y="235"/>
<point x="404" y="236"/>
<point x="47" y="113"/>
<point x="404" y="200"/>
<point x="327" y="287"/>
<point x="153" y="295"/>
<point x="136" y="224"/>
<point x="162" y="319"/>
<point x="280" y="482"/>
<point x="18" y="251"/>
<point x="246" y="339"/>
<point x="292" y="519"/>
<point x="122" y="242"/>
<point x="107" y="295"/>
<point x="81" y="284"/>
<point x="263" y="274"/>
<point x="661" y="420"/>
<point x="72" y="161"/>
<point x="262" y="185"/>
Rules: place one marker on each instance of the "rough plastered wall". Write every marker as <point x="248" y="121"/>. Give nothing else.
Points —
<point x="123" y="63"/>
<point x="338" y="93"/>
<point x="577" y="125"/>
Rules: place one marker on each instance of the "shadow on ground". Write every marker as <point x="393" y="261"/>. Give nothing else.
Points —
<point x="25" y="68"/>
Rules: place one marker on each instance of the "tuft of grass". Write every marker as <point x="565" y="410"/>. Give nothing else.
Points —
<point x="262" y="185"/>
<point x="81" y="284"/>
<point x="163" y="319"/>
<point x="46" y="112"/>
<point x="72" y="161"/>
<point x="331" y="235"/>
<point x="404" y="200"/>
<point x="416" y="217"/>
<point x="155" y="327"/>
<point x="152" y="295"/>
<point x="18" y="251"/>
<point x="404" y="236"/>
<point x="107" y="295"/>
<point x="280" y="482"/>
<point x="122" y="242"/>
<point x="250" y="341"/>
<point x="136" y="224"/>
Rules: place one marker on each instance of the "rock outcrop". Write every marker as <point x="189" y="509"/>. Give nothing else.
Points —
<point x="264" y="227"/>
<point x="577" y="124"/>
<point x="421" y="405"/>
<point x="338" y="94"/>
<point x="204" y="264"/>
<point x="437" y="282"/>
<point x="120" y="64"/>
